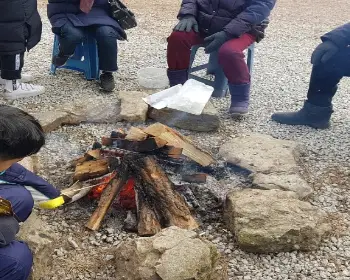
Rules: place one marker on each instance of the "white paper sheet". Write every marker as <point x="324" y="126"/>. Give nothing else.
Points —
<point x="190" y="98"/>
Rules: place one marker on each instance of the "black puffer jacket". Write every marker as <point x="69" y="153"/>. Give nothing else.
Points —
<point x="20" y="26"/>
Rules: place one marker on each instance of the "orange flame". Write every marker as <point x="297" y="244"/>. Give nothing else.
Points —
<point x="126" y="197"/>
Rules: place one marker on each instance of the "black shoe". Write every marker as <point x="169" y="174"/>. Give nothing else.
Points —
<point x="107" y="81"/>
<point x="310" y="115"/>
<point x="60" y="59"/>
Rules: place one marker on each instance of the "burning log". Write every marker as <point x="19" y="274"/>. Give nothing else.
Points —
<point x="91" y="169"/>
<point x="107" y="198"/>
<point x="158" y="204"/>
<point x="175" y="139"/>
<point x="136" y="134"/>
<point x="148" y="223"/>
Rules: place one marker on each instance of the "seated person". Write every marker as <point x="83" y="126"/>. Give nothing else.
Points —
<point x="331" y="62"/>
<point x="21" y="136"/>
<point x="71" y="19"/>
<point x="228" y="27"/>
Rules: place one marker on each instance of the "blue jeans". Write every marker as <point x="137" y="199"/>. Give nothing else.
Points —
<point x="16" y="259"/>
<point x="106" y="37"/>
<point x="325" y="78"/>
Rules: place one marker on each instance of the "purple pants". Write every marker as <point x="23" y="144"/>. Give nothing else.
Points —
<point x="16" y="259"/>
<point x="231" y="56"/>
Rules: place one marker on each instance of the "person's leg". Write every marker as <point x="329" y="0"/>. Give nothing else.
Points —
<point x="317" y="109"/>
<point x="107" y="45"/>
<point x="325" y="78"/>
<point x="21" y="200"/>
<point x="178" y="55"/>
<point x="25" y="77"/>
<point x="16" y="261"/>
<point x="16" y="258"/>
<point x="232" y="60"/>
<point x="69" y="37"/>
<point x="11" y="68"/>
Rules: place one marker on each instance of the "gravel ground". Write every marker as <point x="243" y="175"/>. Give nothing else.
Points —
<point x="281" y="73"/>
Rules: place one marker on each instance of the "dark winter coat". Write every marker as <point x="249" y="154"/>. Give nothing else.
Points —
<point x="339" y="36"/>
<point x="18" y="175"/>
<point x="20" y="26"/>
<point x="236" y="17"/>
<point x="61" y="11"/>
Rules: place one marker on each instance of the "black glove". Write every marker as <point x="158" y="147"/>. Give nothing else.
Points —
<point x="187" y="23"/>
<point x="8" y="229"/>
<point x="324" y="52"/>
<point x="215" y="41"/>
<point x="259" y="30"/>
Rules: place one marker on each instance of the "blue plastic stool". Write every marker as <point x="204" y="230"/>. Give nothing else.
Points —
<point x="220" y="83"/>
<point x="84" y="60"/>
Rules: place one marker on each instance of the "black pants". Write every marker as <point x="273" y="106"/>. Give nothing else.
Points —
<point x="325" y="78"/>
<point x="11" y="66"/>
<point x="106" y="37"/>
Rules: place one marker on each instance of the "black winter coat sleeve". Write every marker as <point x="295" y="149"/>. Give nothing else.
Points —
<point x="8" y="229"/>
<point x="339" y="36"/>
<point x="254" y="14"/>
<point x="188" y="7"/>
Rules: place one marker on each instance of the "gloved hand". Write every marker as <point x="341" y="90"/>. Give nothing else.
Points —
<point x="215" y="41"/>
<point x="324" y="52"/>
<point x="259" y="30"/>
<point x="187" y="23"/>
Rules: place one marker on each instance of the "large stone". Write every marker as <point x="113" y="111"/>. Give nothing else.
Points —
<point x="207" y="121"/>
<point x="273" y="162"/>
<point x="36" y="233"/>
<point x="92" y="110"/>
<point x="173" y="254"/>
<point x="132" y="108"/>
<point x="51" y="120"/>
<point x="267" y="221"/>
<point x="286" y="182"/>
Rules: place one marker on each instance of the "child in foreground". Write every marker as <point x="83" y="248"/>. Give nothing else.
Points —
<point x="21" y="135"/>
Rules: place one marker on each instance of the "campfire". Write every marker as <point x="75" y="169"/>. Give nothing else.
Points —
<point x="127" y="168"/>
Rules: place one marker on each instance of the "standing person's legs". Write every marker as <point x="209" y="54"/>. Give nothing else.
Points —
<point x="11" y="68"/>
<point x="107" y="45"/>
<point x="178" y="55"/>
<point x="69" y="37"/>
<point x="317" y="109"/>
<point x="16" y="258"/>
<point x="232" y="60"/>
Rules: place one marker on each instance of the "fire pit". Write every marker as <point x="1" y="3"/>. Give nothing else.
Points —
<point x="130" y="169"/>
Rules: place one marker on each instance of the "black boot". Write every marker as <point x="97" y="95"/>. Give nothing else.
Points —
<point x="107" y="81"/>
<point x="310" y="115"/>
<point x="60" y="59"/>
<point x="177" y="77"/>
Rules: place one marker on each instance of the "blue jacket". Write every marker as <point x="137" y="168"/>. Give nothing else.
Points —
<point x="17" y="174"/>
<point x="339" y="36"/>
<point x="61" y="11"/>
<point x="236" y="17"/>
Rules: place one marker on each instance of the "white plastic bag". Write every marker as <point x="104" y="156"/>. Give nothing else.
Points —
<point x="190" y="98"/>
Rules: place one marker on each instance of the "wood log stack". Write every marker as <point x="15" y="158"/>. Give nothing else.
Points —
<point x="136" y="154"/>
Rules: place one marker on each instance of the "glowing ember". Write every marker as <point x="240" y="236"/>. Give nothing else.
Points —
<point x="126" y="198"/>
<point x="96" y="192"/>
